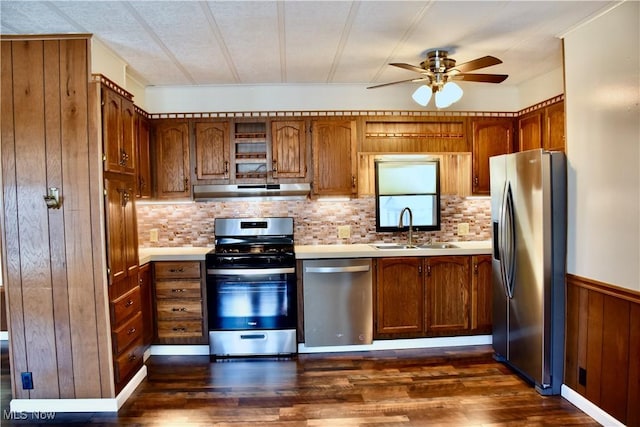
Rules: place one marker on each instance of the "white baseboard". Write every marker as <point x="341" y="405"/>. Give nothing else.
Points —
<point x="588" y="407"/>
<point x="4" y="335"/>
<point x="402" y="344"/>
<point x="179" y="350"/>
<point x="52" y="406"/>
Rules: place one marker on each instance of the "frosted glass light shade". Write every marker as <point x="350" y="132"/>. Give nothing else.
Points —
<point x="422" y="95"/>
<point x="449" y="94"/>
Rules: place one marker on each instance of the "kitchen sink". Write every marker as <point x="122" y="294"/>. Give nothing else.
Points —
<point x="439" y="246"/>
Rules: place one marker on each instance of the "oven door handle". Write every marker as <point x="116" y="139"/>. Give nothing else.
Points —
<point x="250" y="271"/>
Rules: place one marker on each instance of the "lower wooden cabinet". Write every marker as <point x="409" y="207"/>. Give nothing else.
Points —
<point x="432" y="296"/>
<point x="180" y="302"/>
<point x="146" y="301"/>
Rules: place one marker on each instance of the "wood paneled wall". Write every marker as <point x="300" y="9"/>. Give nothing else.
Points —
<point x="53" y="258"/>
<point x="603" y="346"/>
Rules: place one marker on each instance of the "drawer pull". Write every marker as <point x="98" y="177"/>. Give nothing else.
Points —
<point x="129" y="303"/>
<point x="179" y="309"/>
<point x="131" y="331"/>
<point x="177" y="270"/>
<point x="178" y="290"/>
<point x="132" y="357"/>
<point x="179" y="329"/>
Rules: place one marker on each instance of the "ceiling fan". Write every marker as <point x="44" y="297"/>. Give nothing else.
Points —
<point x="438" y="71"/>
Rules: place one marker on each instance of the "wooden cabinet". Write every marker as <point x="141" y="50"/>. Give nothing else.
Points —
<point x="399" y="296"/>
<point x="179" y="301"/>
<point x="121" y="228"/>
<point x="481" y="294"/>
<point x="553" y="135"/>
<point x="146" y="304"/>
<point x="144" y="187"/>
<point x="118" y="132"/>
<point x="288" y="149"/>
<point x="212" y="149"/>
<point x="529" y="131"/>
<point x="490" y="137"/>
<point x="334" y="157"/>
<point x="432" y="296"/>
<point x="250" y="151"/>
<point x="126" y="335"/>
<point x="172" y="159"/>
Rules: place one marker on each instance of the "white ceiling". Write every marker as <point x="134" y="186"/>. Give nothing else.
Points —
<point x="274" y="42"/>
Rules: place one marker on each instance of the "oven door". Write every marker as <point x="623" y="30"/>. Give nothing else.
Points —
<point x="244" y="299"/>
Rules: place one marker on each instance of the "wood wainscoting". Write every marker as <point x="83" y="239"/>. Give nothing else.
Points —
<point x="603" y="346"/>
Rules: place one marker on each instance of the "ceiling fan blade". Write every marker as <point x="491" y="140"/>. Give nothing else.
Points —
<point x="485" y="61"/>
<point x="483" y="78"/>
<point x="410" y="67"/>
<point x="401" y="81"/>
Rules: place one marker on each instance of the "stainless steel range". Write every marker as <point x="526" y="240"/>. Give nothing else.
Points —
<point x="251" y="287"/>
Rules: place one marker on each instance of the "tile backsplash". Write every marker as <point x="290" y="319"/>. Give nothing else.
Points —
<point x="315" y="221"/>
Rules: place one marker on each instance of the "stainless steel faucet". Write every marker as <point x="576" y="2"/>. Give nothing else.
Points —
<point x="400" y="225"/>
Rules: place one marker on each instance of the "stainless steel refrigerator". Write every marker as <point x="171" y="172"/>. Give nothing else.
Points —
<point x="528" y="212"/>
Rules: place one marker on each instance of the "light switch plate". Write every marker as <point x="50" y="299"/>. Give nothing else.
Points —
<point x="344" y="231"/>
<point x="153" y="235"/>
<point x="463" y="229"/>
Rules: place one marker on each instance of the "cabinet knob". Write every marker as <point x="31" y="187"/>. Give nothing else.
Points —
<point x="178" y="290"/>
<point x="475" y="180"/>
<point x="181" y="309"/>
<point x="177" y="270"/>
<point x="179" y="329"/>
<point x="131" y="331"/>
<point x="428" y="270"/>
<point x="274" y="167"/>
<point x="129" y="303"/>
<point x="132" y="357"/>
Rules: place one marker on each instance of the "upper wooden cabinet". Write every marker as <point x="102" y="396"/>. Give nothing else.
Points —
<point x="118" y="132"/>
<point x="418" y="134"/>
<point x="334" y="157"/>
<point x="490" y="137"/>
<point x="212" y="150"/>
<point x="288" y="149"/>
<point x="172" y="159"/>
<point x="530" y="131"/>
<point x="144" y="187"/>
<point x="553" y="135"/>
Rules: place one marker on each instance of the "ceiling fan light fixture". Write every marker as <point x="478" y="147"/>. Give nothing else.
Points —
<point x="422" y="95"/>
<point x="449" y="94"/>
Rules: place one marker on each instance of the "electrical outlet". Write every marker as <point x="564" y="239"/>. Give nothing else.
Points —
<point x="344" y="231"/>
<point x="153" y="235"/>
<point x="27" y="381"/>
<point x="463" y="229"/>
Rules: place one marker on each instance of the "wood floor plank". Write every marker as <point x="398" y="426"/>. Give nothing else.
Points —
<point x="431" y="387"/>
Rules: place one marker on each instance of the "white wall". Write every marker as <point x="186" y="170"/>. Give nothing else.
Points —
<point x="602" y="69"/>
<point x="540" y="88"/>
<point x="319" y="97"/>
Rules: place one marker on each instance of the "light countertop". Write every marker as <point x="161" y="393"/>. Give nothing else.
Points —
<point x="183" y="253"/>
<point x="366" y="250"/>
<point x="360" y="250"/>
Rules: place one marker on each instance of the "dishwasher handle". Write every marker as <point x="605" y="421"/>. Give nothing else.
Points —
<point x="341" y="269"/>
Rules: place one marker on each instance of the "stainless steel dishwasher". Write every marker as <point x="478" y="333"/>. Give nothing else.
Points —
<point x="338" y="302"/>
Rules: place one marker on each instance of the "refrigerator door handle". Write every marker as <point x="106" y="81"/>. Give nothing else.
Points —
<point x="509" y="242"/>
<point x="501" y="241"/>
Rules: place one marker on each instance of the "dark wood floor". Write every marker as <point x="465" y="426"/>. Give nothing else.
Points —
<point x="449" y="387"/>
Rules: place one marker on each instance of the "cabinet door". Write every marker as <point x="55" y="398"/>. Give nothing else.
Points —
<point x="554" y="127"/>
<point x="146" y="306"/>
<point x="212" y="150"/>
<point x="334" y="157"/>
<point x="530" y="132"/>
<point x="481" y="294"/>
<point x="491" y="137"/>
<point x="399" y="296"/>
<point x="128" y="147"/>
<point x="447" y="294"/>
<point x="288" y="149"/>
<point x="143" y="188"/>
<point x="122" y="236"/>
<point x="172" y="160"/>
<point x="112" y="131"/>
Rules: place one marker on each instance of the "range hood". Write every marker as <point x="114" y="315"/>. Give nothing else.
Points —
<point x="264" y="191"/>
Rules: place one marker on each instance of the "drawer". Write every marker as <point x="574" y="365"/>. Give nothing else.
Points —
<point x="177" y="309"/>
<point x="130" y="331"/>
<point x="178" y="289"/>
<point x="177" y="270"/>
<point x="125" y="306"/>
<point x="129" y="361"/>
<point x="179" y="329"/>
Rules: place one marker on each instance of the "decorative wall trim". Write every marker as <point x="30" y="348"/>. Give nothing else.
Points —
<point x="141" y="111"/>
<point x="346" y="113"/>
<point x="99" y="78"/>
<point x="604" y="288"/>
<point x="541" y="105"/>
